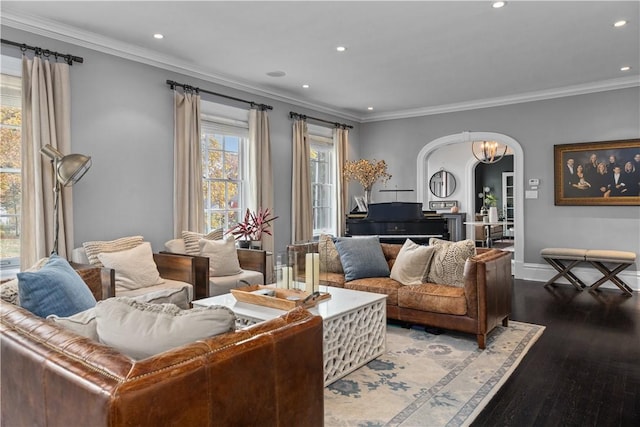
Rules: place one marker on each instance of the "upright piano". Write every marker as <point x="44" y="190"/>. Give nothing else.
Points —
<point x="395" y="222"/>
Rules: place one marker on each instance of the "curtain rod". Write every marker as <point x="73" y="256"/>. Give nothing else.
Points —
<point x="173" y="84"/>
<point x="293" y="115"/>
<point x="45" y="52"/>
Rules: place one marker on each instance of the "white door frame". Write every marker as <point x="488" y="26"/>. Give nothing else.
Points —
<point x="518" y="168"/>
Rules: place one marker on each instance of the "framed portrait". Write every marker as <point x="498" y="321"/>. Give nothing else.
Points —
<point x="597" y="173"/>
<point x="362" y="206"/>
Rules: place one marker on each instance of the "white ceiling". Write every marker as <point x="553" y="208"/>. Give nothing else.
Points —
<point x="404" y="58"/>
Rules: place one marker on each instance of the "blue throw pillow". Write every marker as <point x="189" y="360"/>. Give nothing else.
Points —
<point x="54" y="289"/>
<point x="361" y="257"/>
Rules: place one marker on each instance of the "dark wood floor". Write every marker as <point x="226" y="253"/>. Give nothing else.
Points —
<point x="585" y="368"/>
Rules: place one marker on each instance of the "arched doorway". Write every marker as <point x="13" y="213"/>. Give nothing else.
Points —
<point x="468" y="179"/>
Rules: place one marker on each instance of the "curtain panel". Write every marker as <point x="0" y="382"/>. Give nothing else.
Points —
<point x="188" y="204"/>
<point x="46" y="119"/>
<point x="260" y="181"/>
<point x="301" y="209"/>
<point x="340" y="146"/>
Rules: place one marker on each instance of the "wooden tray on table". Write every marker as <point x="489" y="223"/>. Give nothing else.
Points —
<point x="283" y="299"/>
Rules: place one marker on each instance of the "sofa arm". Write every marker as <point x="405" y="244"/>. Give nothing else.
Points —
<point x="101" y="281"/>
<point x="254" y="260"/>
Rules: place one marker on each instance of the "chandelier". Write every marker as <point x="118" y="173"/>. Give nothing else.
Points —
<point x="488" y="151"/>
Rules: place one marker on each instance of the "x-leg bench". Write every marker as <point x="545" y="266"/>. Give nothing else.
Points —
<point x="620" y="260"/>
<point x="563" y="260"/>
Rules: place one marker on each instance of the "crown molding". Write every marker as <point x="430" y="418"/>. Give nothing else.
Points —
<point x="67" y="34"/>
<point x="600" y="86"/>
<point x="57" y="31"/>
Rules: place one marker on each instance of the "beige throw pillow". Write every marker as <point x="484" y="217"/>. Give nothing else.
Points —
<point x="97" y="247"/>
<point x="447" y="266"/>
<point x="134" y="268"/>
<point x="141" y="330"/>
<point x="223" y="256"/>
<point x="412" y="263"/>
<point x="83" y="323"/>
<point x="192" y="240"/>
<point x="329" y="256"/>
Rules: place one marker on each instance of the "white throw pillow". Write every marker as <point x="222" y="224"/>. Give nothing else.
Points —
<point x="447" y="266"/>
<point x="223" y="256"/>
<point x="134" y="268"/>
<point x="92" y="249"/>
<point x="412" y="263"/>
<point x="141" y="330"/>
<point x="192" y="240"/>
<point x="83" y="323"/>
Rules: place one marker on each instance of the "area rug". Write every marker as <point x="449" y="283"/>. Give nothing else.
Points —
<point x="426" y="379"/>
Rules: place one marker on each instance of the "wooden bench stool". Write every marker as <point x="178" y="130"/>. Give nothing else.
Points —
<point x="619" y="259"/>
<point x="563" y="260"/>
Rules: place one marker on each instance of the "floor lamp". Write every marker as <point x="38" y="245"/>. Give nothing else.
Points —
<point x="66" y="171"/>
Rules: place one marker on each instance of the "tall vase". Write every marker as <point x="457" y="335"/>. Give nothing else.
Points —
<point x="493" y="214"/>
<point x="367" y="196"/>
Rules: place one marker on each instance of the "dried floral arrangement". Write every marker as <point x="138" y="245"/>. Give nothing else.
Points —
<point x="366" y="172"/>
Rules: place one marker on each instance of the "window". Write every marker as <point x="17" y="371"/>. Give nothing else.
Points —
<point x="224" y="142"/>
<point x="322" y="170"/>
<point x="10" y="163"/>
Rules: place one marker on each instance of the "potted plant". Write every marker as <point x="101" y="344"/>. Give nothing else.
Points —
<point x="248" y="232"/>
<point x="491" y="200"/>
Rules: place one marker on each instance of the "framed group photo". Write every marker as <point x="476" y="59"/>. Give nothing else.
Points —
<point x="597" y="173"/>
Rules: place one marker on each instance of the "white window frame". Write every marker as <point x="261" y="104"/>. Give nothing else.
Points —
<point x="321" y="139"/>
<point x="222" y="120"/>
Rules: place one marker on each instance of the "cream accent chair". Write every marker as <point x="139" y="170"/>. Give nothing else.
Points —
<point x="176" y="271"/>
<point x="253" y="265"/>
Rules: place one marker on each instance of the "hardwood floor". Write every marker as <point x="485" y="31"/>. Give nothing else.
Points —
<point x="585" y="368"/>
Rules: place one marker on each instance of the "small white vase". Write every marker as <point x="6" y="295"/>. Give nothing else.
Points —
<point x="493" y="214"/>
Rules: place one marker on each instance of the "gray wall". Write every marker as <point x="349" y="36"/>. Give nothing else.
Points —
<point x="537" y="126"/>
<point x="122" y="116"/>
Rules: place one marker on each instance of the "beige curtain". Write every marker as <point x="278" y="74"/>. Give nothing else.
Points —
<point x="260" y="183"/>
<point x="46" y="112"/>
<point x="301" y="209"/>
<point x="340" y="146"/>
<point x="188" y="204"/>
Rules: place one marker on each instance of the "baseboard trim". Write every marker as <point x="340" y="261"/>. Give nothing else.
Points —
<point x="542" y="273"/>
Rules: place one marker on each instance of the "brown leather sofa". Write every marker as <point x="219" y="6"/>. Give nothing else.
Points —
<point x="482" y="304"/>
<point x="270" y="375"/>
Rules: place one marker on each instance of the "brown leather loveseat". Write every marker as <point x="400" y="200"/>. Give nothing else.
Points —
<point x="270" y="374"/>
<point x="483" y="303"/>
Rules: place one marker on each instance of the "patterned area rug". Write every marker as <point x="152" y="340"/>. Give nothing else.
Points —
<point x="428" y="380"/>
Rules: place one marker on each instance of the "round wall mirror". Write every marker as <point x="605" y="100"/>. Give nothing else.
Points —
<point x="442" y="184"/>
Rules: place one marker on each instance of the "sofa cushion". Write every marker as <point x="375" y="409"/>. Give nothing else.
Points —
<point x="54" y="289"/>
<point x="141" y="330"/>
<point x="192" y="240"/>
<point x="329" y="256"/>
<point x="85" y="323"/>
<point x="434" y="298"/>
<point x="94" y="248"/>
<point x="134" y="268"/>
<point x="223" y="256"/>
<point x="378" y="285"/>
<point x="332" y="279"/>
<point x="412" y="263"/>
<point x="220" y="285"/>
<point x="362" y="257"/>
<point x="447" y="266"/>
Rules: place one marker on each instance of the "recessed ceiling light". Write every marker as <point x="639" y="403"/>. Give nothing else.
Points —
<point x="498" y="4"/>
<point x="158" y="36"/>
<point x="341" y="48"/>
<point x="625" y="68"/>
<point x="305" y="86"/>
<point x="620" y="23"/>
<point x="276" y="74"/>
<point x="370" y="108"/>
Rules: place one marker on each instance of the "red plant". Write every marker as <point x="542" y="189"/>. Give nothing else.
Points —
<point x="253" y="225"/>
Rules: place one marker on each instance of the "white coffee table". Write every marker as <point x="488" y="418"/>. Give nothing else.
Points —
<point x="354" y="326"/>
